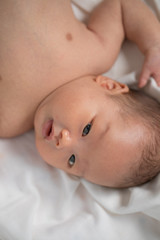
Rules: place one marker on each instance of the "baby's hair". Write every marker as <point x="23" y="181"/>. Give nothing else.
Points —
<point x="138" y="105"/>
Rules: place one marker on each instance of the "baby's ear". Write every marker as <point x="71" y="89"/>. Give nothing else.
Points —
<point x="112" y="86"/>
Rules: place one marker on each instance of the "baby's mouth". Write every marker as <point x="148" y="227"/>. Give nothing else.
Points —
<point x="48" y="130"/>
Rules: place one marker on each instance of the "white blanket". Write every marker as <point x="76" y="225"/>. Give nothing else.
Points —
<point x="39" y="202"/>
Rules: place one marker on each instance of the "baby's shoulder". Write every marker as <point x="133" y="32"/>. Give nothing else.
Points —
<point x="13" y="121"/>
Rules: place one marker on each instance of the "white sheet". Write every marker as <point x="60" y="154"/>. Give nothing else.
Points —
<point x="38" y="202"/>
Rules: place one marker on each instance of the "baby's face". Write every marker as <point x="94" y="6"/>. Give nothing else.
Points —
<point x="80" y="130"/>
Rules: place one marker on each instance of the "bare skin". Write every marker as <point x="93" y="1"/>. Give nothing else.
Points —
<point x="36" y="58"/>
<point x="43" y="46"/>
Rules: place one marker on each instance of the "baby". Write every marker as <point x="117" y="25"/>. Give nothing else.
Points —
<point x="43" y="47"/>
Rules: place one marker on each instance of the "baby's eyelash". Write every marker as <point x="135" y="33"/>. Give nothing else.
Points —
<point x="87" y="129"/>
<point x="71" y="160"/>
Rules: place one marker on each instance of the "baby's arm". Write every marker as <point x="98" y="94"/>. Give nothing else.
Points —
<point x="142" y="27"/>
<point x="137" y="23"/>
<point x="106" y="23"/>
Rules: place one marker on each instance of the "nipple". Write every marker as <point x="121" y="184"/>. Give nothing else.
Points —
<point x="69" y="37"/>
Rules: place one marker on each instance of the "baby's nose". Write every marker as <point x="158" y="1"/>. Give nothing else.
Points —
<point x="64" y="139"/>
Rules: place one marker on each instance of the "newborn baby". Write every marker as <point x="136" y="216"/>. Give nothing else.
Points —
<point x="43" y="47"/>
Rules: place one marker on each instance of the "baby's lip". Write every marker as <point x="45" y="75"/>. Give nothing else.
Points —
<point x="48" y="129"/>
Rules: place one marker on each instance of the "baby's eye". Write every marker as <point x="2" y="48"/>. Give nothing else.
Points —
<point x="87" y="129"/>
<point x="71" y="160"/>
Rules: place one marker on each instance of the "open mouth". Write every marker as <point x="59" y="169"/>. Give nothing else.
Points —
<point x="47" y="129"/>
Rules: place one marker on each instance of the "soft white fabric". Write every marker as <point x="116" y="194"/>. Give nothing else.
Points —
<point x="38" y="202"/>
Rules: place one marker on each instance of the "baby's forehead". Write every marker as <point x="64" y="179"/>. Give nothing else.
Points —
<point x="80" y="85"/>
<point x="81" y="82"/>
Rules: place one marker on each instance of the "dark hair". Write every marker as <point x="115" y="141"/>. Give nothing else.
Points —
<point x="138" y="105"/>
